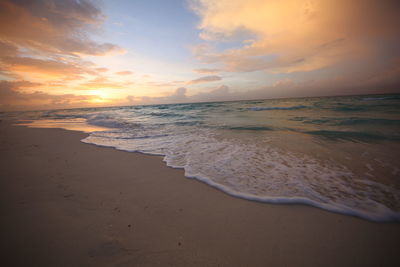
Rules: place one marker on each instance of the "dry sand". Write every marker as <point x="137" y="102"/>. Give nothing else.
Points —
<point x="65" y="203"/>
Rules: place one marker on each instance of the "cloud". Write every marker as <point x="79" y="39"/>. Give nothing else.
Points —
<point x="12" y="97"/>
<point x="103" y="82"/>
<point x="221" y="93"/>
<point x="285" y="88"/>
<point x="372" y="84"/>
<point x="126" y="72"/>
<point x="178" y="96"/>
<point x="55" y="27"/>
<point x="101" y="69"/>
<point x="205" y="79"/>
<point x="166" y="84"/>
<point x="131" y="99"/>
<point x="49" y="67"/>
<point x="48" y="41"/>
<point x="292" y="36"/>
<point x="207" y="71"/>
<point x="7" y="49"/>
<point x="50" y="37"/>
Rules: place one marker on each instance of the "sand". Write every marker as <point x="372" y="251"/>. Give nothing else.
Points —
<point x="66" y="203"/>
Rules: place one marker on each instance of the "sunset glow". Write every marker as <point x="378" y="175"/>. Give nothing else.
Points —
<point x="65" y="54"/>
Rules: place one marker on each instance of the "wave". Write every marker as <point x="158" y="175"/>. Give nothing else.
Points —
<point x="251" y="128"/>
<point x="163" y="106"/>
<point x="380" y="98"/>
<point x="122" y="136"/>
<point x="367" y="121"/>
<point x="349" y="108"/>
<point x="61" y="116"/>
<point x="348" y="121"/>
<point x="188" y="123"/>
<point x="277" y="177"/>
<point x="109" y="121"/>
<point x="384" y="215"/>
<point x="250" y="154"/>
<point x="277" y="108"/>
<point x="352" y="136"/>
<point x="164" y="114"/>
<point x="253" y="102"/>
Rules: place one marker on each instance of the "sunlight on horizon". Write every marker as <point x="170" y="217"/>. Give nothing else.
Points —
<point x="87" y="53"/>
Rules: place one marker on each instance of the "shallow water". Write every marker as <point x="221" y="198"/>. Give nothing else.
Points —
<point x="337" y="153"/>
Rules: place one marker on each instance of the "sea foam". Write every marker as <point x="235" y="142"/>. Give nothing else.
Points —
<point x="323" y="152"/>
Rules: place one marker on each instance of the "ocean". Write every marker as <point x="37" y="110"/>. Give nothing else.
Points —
<point x="340" y="153"/>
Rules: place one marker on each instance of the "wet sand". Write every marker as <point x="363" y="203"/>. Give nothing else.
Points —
<point x="65" y="203"/>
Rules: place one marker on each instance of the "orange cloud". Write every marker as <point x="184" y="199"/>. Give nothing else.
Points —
<point x="7" y="49"/>
<point x="47" y="41"/>
<point x="126" y="72"/>
<point x="293" y="35"/>
<point x="207" y="71"/>
<point x="12" y="97"/>
<point x="103" y="82"/>
<point x="166" y="84"/>
<point x="101" y="69"/>
<point x="43" y="67"/>
<point x="58" y="27"/>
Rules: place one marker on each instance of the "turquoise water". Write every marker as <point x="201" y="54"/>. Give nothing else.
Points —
<point x="337" y="153"/>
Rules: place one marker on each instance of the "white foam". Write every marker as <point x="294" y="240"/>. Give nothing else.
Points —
<point x="206" y="142"/>
<point x="257" y="171"/>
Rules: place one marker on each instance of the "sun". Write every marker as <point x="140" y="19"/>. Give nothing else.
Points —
<point x="100" y="93"/>
<point x="99" y="96"/>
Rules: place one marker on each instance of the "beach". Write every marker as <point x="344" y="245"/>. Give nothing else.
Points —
<point x="66" y="203"/>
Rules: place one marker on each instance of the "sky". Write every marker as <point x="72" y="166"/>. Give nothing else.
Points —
<point x="81" y="53"/>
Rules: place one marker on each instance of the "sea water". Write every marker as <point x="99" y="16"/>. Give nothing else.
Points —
<point x="341" y="154"/>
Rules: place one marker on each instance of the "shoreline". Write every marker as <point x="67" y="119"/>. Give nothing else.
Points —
<point x="68" y="203"/>
<point x="86" y="129"/>
<point x="83" y="127"/>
